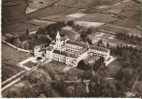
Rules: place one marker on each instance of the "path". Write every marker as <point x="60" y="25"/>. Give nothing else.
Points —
<point x="21" y="64"/>
<point x="110" y="60"/>
<point x="12" y="78"/>
<point x="15" y="47"/>
<point x="10" y="84"/>
<point x="16" y="78"/>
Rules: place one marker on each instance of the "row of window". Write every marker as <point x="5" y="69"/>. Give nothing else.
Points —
<point x="97" y="54"/>
<point x="73" y="47"/>
<point x="62" y="58"/>
<point x="59" y="57"/>
<point x="72" y="50"/>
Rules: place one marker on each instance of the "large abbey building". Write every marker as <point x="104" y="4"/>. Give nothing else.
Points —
<point x="68" y="51"/>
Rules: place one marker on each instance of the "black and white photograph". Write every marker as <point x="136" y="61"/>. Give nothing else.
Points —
<point x="71" y="49"/>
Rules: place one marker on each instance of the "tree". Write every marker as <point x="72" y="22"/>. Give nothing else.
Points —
<point x="26" y="90"/>
<point x="98" y="64"/>
<point x="83" y="66"/>
<point x="102" y="87"/>
<point x="10" y="38"/>
<point x="41" y="30"/>
<point x="89" y="31"/>
<point x="25" y="44"/>
<point x="70" y="23"/>
<point x="100" y="43"/>
<point x="94" y="86"/>
<point x="86" y="75"/>
<point x="17" y="42"/>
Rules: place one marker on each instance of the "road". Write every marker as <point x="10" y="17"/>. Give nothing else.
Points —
<point x="15" y="47"/>
<point x="21" y="64"/>
<point x="12" y="78"/>
<point x="17" y="78"/>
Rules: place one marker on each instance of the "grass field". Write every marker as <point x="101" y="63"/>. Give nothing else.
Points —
<point x="68" y="6"/>
<point x="9" y="71"/>
<point x="12" y="56"/>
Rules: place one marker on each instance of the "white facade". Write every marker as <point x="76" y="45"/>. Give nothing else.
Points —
<point x="37" y="51"/>
<point x="49" y="54"/>
<point x="99" y="53"/>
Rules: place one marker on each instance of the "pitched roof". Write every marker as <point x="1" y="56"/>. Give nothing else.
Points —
<point x="99" y="48"/>
<point x="76" y="43"/>
<point x="65" y="53"/>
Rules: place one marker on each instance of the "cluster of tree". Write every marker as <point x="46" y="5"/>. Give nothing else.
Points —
<point x="34" y="84"/>
<point x="46" y="35"/>
<point x="51" y="29"/>
<point x="67" y="84"/>
<point x="70" y="23"/>
<point x="84" y="35"/>
<point x="88" y="74"/>
<point x="98" y="63"/>
<point x="124" y="80"/>
<point x="22" y="41"/>
<point x="101" y="87"/>
<point x="82" y="65"/>
<point x="43" y="35"/>
<point x="94" y="66"/>
<point x="130" y="60"/>
<point x="129" y="38"/>
<point x="70" y="88"/>
<point x="84" y="32"/>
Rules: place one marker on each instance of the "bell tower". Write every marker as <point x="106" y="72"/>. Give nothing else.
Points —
<point x="58" y="41"/>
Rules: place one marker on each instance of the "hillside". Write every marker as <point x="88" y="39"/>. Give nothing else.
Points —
<point x="69" y="6"/>
<point x="14" y="19"/>
<point x="124" y="13"/>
